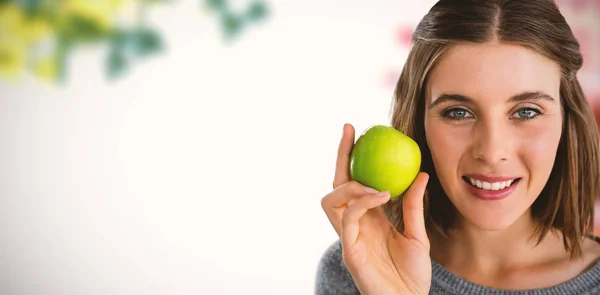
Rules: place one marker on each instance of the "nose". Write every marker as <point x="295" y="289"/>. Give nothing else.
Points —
<point x="492" y="141"/>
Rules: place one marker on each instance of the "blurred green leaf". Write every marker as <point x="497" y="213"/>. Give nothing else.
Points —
<point x="125" y="43"/>
<point x="116" y="63"/>
<point x="30" y="7"/>
<point x="80" y="29"/>
<point x="146" y="41"/>
<point x="117" y="39"/>
<point x="218" y="5"/>
<point x="62" y="53"/>
<point x="257" y="11"/>
<point x="232" y="25"/>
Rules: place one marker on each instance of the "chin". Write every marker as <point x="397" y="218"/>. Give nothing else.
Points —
<point x="489" y="221"/>
<point x="490" y="215"/>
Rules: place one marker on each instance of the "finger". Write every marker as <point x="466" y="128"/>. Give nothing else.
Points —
<point x="345" y="193"/>
<point x="342" y="165"/>
<point x="412" y="208"/>
<point x="351" y="217"/>
<point x="335" y="203"/>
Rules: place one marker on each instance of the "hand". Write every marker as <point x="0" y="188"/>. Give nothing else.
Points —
<point x="380" y="259"/>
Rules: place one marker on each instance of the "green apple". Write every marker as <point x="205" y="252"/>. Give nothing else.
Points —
<point x="385" y="159"/>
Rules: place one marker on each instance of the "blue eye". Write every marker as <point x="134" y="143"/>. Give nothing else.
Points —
<point x="457" y="114"/>
<point x="526" y="113"/>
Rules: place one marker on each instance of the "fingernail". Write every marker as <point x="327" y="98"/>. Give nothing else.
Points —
<point x="371" y="190"/>
<point x="382" y="194"/>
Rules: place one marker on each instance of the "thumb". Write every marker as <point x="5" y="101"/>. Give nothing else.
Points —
<point x="413" y="212"/>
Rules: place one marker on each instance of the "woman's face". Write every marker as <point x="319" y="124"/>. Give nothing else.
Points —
<point x="493" y="122"/>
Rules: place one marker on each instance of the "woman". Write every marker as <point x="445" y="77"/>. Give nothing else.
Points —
<point x="510" y="170"/>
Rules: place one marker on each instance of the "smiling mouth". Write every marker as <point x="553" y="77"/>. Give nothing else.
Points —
<point x="490" y="186"/>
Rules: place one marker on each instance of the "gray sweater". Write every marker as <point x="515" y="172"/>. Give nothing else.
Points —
<point x="333" y="278"/>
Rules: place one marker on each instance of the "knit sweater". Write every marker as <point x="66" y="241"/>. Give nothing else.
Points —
<point x="333" y="278"/>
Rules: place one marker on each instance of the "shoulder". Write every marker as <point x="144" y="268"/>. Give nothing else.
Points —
<point x="332" y="275"/>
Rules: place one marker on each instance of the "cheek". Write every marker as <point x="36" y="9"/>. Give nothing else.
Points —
<point x="447" y="144"/>
<point x="537" y="147"/>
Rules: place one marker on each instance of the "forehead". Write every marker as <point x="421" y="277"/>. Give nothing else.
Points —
<point x="493" y="71"/>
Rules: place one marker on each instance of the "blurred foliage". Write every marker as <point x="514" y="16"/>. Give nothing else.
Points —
<point x="232" y="23"/>
<point x="38" y="36"/>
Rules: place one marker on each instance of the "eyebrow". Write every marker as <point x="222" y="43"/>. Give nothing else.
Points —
<point x="527" y="95"/>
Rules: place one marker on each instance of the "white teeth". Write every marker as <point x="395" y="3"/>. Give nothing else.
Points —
<point x="496" y="186"/>
<point x="487" y="185"/>
<point x="490" y="186"/>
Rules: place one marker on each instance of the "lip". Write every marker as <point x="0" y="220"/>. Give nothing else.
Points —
<point x="491" y="178"/>
<point x="488" y="195"/>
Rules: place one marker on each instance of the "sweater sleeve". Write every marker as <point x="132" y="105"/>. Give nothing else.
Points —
<point x="333" y="278"/>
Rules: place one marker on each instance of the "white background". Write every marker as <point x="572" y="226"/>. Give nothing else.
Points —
<point x="202" y="171"/>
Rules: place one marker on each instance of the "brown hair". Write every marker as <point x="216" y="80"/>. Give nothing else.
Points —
<point x="567" y="201"/>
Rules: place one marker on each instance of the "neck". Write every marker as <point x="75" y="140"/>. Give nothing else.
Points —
<point x="475" y="250"/>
